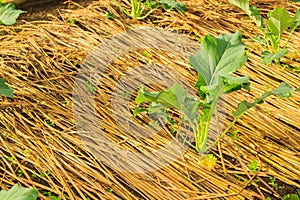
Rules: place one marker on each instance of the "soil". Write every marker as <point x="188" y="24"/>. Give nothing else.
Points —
<point x="40" y="10"/>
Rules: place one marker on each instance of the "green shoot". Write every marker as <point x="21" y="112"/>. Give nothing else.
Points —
<point x="253" y="166"/>
<point x="274" y="184"/>
<point x="140" y="10"/>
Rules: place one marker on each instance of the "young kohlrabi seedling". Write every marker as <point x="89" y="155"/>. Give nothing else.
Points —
<point x="215" y="63"/>
<point x="279" y="20"/>
<point x="139" y="8"/>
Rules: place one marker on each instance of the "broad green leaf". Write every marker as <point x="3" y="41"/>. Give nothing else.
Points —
<point x="5" y="90"/>
<point x="174" y="97"/>
<point x="235" y="83"/>
<point x="278" y="21"/>
<point x="170" y="4"/>
<point x="268" y="57"/>
<point x="8" y="14"/>
<point x="252" y="11"/>
<point x="295" y="0"/>
<point x="17" y="193"/>
<point x="216" y="60"/>
<point x="283" y="90"/>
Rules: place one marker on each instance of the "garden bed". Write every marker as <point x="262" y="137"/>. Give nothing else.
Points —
<point x="39" y="144"/>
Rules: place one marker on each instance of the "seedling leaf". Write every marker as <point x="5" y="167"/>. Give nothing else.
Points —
<point x="252" y="11"/>
<point x="8" y="14"/>
<point x="283" y="90"/>
<point x="174" y="97"/>
<point x="170" y="4"/>
<point x="17" y="193"/>
<point x="5" y="90"/>
<point x="279" y="20"/>
<point x="268" y="57"/>
<point x="215" y="62"/>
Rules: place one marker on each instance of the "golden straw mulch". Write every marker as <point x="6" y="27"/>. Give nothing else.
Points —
<point x="40" y="61"/>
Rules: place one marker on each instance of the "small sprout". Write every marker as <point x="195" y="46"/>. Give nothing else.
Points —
<point x="233" y="135"/>
<point x="50" y="123"/>
<point x="109" y="15"/>
<point x="110" y="190"/>
<point x="89" y="87"/>
<point x="238" y="177"/>
<point x="25" y="151"/>
<point x="20" y="173"/>
<point x="10" y="159"/>
<point x="253" y="166"/>
<point x="147" y="54"/>
<point x="256" y="180"/>
<point x="71" y="21"/>
<point x="76" y="121"/>
<point x="42" y="175"/>
<point x="274" y="184"/>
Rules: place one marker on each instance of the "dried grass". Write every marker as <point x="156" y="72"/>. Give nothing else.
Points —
<point x="38" y="60"/>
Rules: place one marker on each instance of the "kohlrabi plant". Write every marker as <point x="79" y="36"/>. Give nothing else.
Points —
<point x="215" y="63"/>
<point x="279" y="20"/>
<point x="9" y="14"/>
<point x="17" y="193"/>
<point x="142" y="9"/>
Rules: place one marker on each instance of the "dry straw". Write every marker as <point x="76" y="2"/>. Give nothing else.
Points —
<point x="39" y="60"/>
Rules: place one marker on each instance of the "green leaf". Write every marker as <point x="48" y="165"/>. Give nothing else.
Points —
<point x="8" y="14"/>
<point x="252" y="11"/>
<point x="278" y="21"/>
<point x="295" y="0"/>
<point x="109" y="15"/>
<point x="253" y="166"/>
<point x="17" y="193"/>
<point x="215" y="62"/>
<point x="283" y="90"/>
<point x="174" y="97"/>
<point x="170" y="4"/>
<point x="296" y="22"/>
<point x="5" y="90"/>
<point x="268" y="57"/>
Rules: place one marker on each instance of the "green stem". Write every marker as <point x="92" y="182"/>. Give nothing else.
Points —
<point x="202" y="132"/>
<point x="122" y="9"/>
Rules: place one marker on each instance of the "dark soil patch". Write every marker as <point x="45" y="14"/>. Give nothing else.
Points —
<point x="41" y="10"/>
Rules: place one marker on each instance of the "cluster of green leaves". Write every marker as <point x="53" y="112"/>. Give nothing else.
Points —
<point x="279" y="20"/>
<point x="141" y="10"/>
<point x="253" y="166"/>
<point x="274" y="184"/>
<point x="292" y="196"/>
<point x="5" y="90"/>
<point x="17" y="193"/>
<point x="9" y="14"/>
<point x="215" y="62"/>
